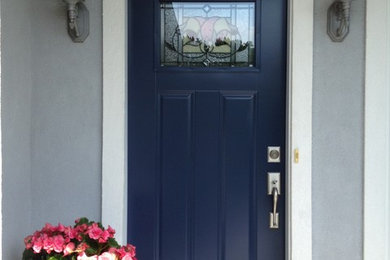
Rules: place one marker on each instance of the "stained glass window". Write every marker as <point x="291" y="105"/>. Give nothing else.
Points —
<point x="214" y="34"/>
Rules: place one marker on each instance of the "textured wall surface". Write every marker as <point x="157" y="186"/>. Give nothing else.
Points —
<point x="52" y="110"/>
<point x="66" y="115"/>
<point x="338" y="138"/>
<point x="16" y="122"/>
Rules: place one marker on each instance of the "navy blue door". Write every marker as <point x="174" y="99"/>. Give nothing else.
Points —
<point x="206" y="99"/>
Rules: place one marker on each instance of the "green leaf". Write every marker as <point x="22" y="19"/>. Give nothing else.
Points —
<point x="91" y="242"/>
<point x="90" y="251"/>
<point x="100" y="225"/>
<point x="82" y="220"/>
<point x="112" y="243"/>
<point x="28" y="255"/>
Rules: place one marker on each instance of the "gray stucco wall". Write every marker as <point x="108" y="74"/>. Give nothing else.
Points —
<point x="66" y="115"/>
<point x="338" y="138"/>
<point x="52" y="117"/>
<point x="16" y="122"/>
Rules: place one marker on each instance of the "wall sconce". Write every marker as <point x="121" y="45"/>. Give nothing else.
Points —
<point x="338" y="20"/>
<point x="78" y="20"/>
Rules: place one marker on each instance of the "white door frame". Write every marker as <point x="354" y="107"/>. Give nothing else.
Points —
<point x="377" y="132"/>
<point x="300" y="68"/>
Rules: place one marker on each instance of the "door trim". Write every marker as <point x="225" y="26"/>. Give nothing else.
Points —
<point x="114" y="155"/>
<point x="377" y="132"/>
<point x="299" y="126"/>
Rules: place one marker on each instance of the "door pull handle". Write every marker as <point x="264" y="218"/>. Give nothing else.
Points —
<point x="274" y="216"/>
<point x="274" y="190"/>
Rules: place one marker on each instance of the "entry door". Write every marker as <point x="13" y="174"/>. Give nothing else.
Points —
<point x="206" y="120"/>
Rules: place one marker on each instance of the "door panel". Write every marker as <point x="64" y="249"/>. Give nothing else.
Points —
<point x="175" y="174"/>
<point x="198" y="139"/>
<point x="206" y="181"/>
<point x="238" y="213"/>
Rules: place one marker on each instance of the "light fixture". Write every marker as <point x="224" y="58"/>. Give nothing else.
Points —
<point x="338" y="20"/>
<point x="78" y="20"/>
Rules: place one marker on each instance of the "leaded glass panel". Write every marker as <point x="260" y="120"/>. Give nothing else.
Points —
<point x="208" y="34"/>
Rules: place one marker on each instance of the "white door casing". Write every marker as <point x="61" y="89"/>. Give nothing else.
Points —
<point x="300" y="60"/>
<point x="377" y="132"/>
<point x="114" y="157"/>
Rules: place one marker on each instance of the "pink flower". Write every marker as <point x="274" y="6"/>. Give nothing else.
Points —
<point x="95" y="231"/>
<point x="130" y="249"/>
<point x="28" y="242"/>
<point x="60" y="228"/>
<point x="58" y="243"/>
<point x="47" y="243"/>
<point x="71" y="233"/>
<point x="68" y="241"/>
<point x="128" y="257"/>
<point x="104" y="236"/>
<point x="85" y="257"/>
<point x="111" y="231"/>
<point x="126" y="252"/>
<point x="69" y="248"/>
<point x="38" y="244"/>
<point x="81" y="248"/>
<point x="79" y="230"/>
<point x="48" y="228"/>
<point x="107" y="256"/>
<point x="82" y="228"/>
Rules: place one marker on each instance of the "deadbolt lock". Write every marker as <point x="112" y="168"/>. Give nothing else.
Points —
<point x="273" y="154"/>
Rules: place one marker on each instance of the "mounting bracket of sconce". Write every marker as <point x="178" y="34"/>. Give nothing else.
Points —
<point x="338" y="20"/>
<point x="78" y="20"/>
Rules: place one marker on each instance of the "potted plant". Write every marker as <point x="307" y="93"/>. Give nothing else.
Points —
<point x="86" y="240"/>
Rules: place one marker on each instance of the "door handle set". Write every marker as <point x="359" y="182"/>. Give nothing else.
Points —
<point x="274" y="191"/>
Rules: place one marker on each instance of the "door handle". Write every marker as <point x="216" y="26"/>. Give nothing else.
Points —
<point x="274" y="216"/>
<point x="274" y="190"/>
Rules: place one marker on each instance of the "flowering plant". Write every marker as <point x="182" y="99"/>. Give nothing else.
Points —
<point x="86" y="240"/>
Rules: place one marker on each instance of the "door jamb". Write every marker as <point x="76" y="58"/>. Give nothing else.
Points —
<point x="299" y="128"/>
<point x="377" y="132"/>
